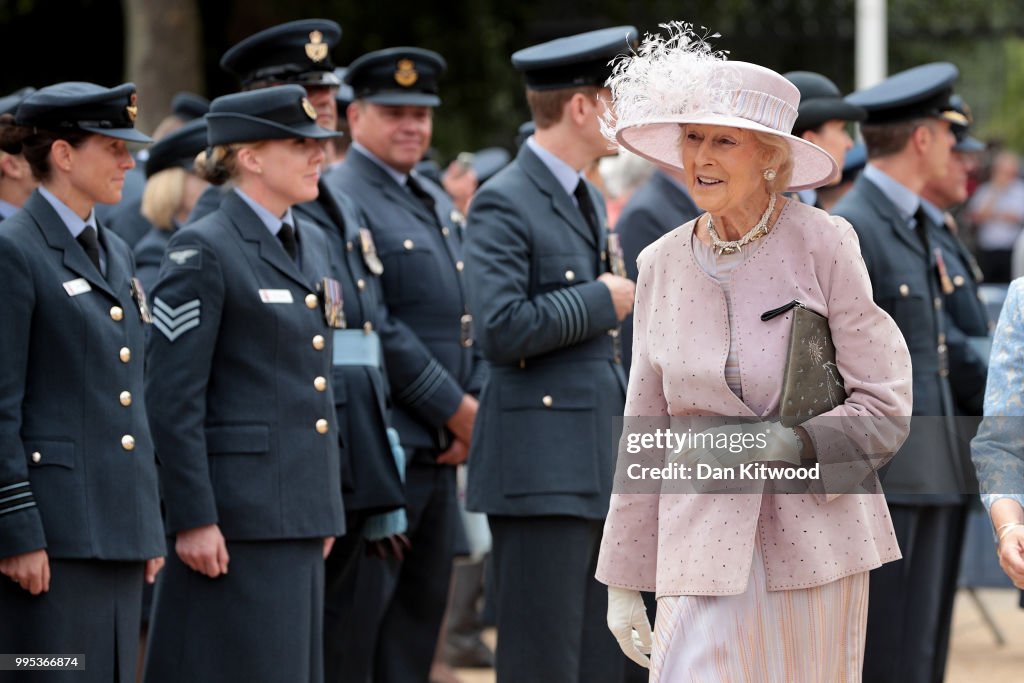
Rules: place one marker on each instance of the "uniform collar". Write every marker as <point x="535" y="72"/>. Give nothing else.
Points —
<point x="71" y="220"/>
<point x="903" y="198"/>
<point x="567" y="176"/>
<point x="272" y="222"/>
<point x="399" y="178"/>
<point x="936" y="215"/>
<point x="7" y="209"/>
<point x="808" y="197"/>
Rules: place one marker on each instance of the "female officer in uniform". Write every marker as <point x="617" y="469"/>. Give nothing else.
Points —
<point x="79" y="507"/>
<point x="241" y="409"/>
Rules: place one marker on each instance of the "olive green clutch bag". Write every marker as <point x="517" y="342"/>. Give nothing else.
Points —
<point x="811" y="383"/>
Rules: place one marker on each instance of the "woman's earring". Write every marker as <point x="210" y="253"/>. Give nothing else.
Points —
<point x="769" y="174"/>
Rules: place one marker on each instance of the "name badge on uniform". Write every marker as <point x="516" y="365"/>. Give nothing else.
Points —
<point x="276" y="296"/>
<point x="334" y="303"/>
<point x="139" y="294"/>
<point x="77" y="286"/>
<point x="466" y="330"/>
<point x="370" y="257"/>
<point x="616" y="258"/>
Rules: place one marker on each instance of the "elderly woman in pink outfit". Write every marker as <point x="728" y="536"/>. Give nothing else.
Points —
<point x="752" y="585"/>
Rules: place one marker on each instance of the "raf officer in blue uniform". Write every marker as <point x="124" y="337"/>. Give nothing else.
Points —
<point x="909" y="142"/>
<point x="547" y="310"/>
<point x="822" y="118"/>
<point x="428" y="347"/>
<point x="16" y="179"/>
<point x="79" y="505"/>
<point x="242" y="410"/>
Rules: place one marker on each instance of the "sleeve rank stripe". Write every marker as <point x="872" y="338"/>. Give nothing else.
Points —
<point x="433" y="367"/>
<point x="11" y="487"/>
<point x="430" y="389"/>
<point x="16" y="496"/>
<point x="584" y="314"/>
<point x="24" y="506"/>
<point x="563" y="314"/>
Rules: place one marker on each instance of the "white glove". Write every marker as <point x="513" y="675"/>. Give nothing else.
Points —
<point x="627" y="620"/>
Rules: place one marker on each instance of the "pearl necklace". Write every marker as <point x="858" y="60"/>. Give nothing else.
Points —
<point x="756" y="232"/>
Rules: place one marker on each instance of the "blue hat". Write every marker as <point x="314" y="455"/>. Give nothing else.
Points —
<point x="574" y="61"/>
<point x="177" y="149"/>
<point x="83" y="106"/>
<point x="345" y="95"/>
<point x="9" y="104"/>
<point x="964" y="141"/>
<point x="820" y="102"/>
<point x="277" y="113"/>
<point x="188" y="106"/>
<point x="489" y="161"/>
<point x="921" y="92"/>
<point x="296" y="52"/>
<point x="397" y="76"/>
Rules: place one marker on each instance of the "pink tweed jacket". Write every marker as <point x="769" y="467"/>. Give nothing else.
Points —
<point x="702" y="544"/>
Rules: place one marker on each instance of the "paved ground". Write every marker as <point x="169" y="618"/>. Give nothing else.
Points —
<point x="974" y="656"/>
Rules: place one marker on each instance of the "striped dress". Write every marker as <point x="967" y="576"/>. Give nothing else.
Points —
<point x="812" y="635"/>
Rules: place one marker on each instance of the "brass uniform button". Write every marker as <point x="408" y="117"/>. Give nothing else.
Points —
<point x="348" y="246"/>
<point x="36" y="457"/>
<point x="547" y="401"/>
<point x="958" y="280"/>
<point x="361" y="284"/>
<point x="367" y="327"/>
<point x="604" y="256"/>
<point x="445" y="231"/>
<point x="321" y="426"/>
<point x="128" y="442"/>
<point x="318" y="342"/>
<point x="459" y="265"/>
<point x="125" y="398"/>
<point x="407" y="244"/>
<point x="570" y="276"/>
<point x="116" y="313"/>
<point x="904" y="290"/>
<point x="320" y="384"/>
<point x="125" y="354"/>
<point x="938" y="303"/>
<point x="311" y="301"/>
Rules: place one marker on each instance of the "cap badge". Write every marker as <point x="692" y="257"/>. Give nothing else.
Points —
<point x="405" y="73"/>
<point x="316" y="48"/>
<point x="132" y="109"/>
<point x="308" y="107"/>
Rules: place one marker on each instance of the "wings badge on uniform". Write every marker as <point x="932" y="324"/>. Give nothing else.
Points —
<point x="189" y="257"/>
<point x="175" y="321"/>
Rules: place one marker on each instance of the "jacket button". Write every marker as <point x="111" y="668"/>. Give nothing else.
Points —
<point x="445" y="231"/>
<point x="570" y="276"/>
<point x="311" y="301"/>
<point x="367" y="327"/>
<point x="938" y="303"/>
<point x="318" y="342"/>
<point x="958" y="280"/>
<point x="125" y="398"/>
<point x="459" y="265"/>
<point x="904" y="290"/>
<point x="348" y="246"/>
<point x="125" y="354"/>
<point x="128" y="442"/>
<point x="320" y="384"/>
<point x="547" y="401"/>
<point x="36" y="456"/>
<point x="407" y="244"/>
<point x="321" y="426"/>
<point x="116" y="313"/>
<point x="361" y="284"/>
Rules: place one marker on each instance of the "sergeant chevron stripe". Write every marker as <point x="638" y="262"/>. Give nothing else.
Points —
<point x="174" y="322"/>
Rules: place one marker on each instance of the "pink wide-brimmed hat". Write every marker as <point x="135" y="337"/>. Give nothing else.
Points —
<point x="679" y="79"/>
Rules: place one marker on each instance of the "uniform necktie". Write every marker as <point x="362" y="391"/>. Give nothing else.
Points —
<point x="287" y="236"/>
<point x="417" y="190"/>
<point x="582" y="195"/>
<point x="921" y="228"/>
<point x="91" y="244"/>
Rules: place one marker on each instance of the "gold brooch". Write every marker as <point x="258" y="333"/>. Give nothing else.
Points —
<point x="316" y="48"/>
<point x="308" y="107"/>
<point x="405" y="73"/>
<point x="132" y="109"/>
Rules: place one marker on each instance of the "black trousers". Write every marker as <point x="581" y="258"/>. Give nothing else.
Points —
<point x="93" y="608"/>
<point x="910" y="608"/>
<point x="388" y="614"/>
<point x="551" y="611"/>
